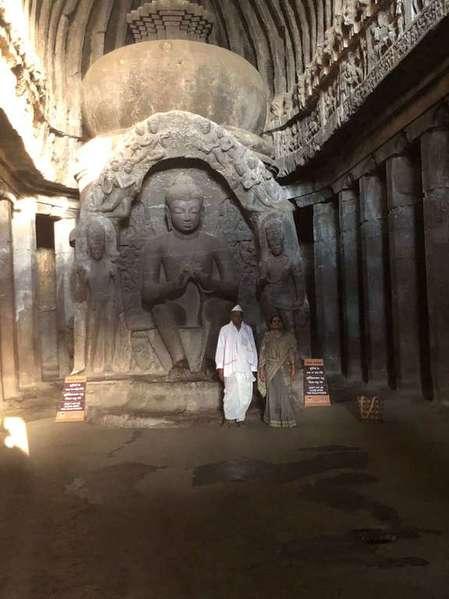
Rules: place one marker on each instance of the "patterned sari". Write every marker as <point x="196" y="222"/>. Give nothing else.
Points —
<point x="277" y="354"/>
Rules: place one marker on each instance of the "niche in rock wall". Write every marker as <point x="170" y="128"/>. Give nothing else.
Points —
<point x="213" y="249"/>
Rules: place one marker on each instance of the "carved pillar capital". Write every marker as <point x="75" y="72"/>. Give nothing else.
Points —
<point x="346" y="182"/>
<point x="435" y="119"/>
<point x="434" y="159"/>
<point x="367" y="167"/>
<point x="396" y="146"/>
<point x="402" y="189"/>
<point x="372" y="197"/>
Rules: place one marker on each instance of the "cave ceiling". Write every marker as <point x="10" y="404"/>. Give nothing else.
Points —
<point x="279" y="37"/>
<point x="321" y="60"/>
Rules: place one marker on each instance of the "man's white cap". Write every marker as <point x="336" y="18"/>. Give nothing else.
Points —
<point x="237" y="308"/>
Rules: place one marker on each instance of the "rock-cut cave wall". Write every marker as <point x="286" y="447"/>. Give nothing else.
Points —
<point x="357" y="122"/>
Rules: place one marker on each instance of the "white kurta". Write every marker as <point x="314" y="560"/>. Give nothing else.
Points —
<point x="237" y="356"/>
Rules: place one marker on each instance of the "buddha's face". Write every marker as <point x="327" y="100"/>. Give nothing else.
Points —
<point x="185" y="214"/>
<point x="96" y="243"/>
<point x="275" y="240"/>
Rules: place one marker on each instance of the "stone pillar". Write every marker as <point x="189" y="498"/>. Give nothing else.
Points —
<point x="402" y="198"/>
<point x="372" y="203"/>
<point x="24" y="244"/>
<point x="8" y="354"/>
<point x="349" y="252"/>
<point x="64" y="304"/>
<point x="326" y="285"/>
<point x="435" y="178"/>
<point x="46" y="313"/>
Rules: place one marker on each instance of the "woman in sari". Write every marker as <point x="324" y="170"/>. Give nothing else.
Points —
<point x="277" y="372"/>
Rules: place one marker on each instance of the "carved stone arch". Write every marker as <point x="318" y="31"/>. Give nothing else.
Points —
<point x="175" y="135"/>
<point x="179" y="135"/>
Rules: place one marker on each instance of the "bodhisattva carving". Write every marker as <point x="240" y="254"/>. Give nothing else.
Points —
<point x="96" y="281"/>
<point x="184" y="255"/>
<point x="283" y="286"/>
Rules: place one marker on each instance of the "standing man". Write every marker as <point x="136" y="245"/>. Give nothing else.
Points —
<point x="236" y="360"/>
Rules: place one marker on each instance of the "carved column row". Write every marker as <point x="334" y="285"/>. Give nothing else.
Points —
<point x="382" y="271"/>
<point x="35" y="302"/>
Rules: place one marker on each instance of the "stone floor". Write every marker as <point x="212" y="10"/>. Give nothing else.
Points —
<point x="335" y="509"/>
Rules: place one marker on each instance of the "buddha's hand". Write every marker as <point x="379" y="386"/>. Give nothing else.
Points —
<point x="183" y="278"/>
<point x="175" y="287"/>
<point x="203" y="278"/>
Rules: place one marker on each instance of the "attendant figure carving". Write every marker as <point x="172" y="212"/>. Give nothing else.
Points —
<point x="283" y="286"/>
<point x="178" y="259"/>
<point x="98" y="278"/>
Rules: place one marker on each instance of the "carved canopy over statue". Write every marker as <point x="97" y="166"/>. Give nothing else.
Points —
<point x="182" y="222"/>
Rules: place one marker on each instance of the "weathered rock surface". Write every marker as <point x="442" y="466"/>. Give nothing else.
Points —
<point x="134" y="82"/>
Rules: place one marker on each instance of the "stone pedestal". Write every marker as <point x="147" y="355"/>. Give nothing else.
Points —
<point x="402" y="197"/>
<point x="140" y="398"/>
<point x="8" y="387"/>
<point x="349" y="227"/>
<point x="372" y="210"/>
<point x="435" y="178"/>
<point x="326" y="285"/>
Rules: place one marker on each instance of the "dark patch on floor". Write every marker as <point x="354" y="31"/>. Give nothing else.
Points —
<point x="337" y="492"/>
<point x="111" y="484"/>
<point x="257" y="470"/>
<point x="401" y="562"/>
<point x="328" y="448"/>
<point x="343" y="550"/>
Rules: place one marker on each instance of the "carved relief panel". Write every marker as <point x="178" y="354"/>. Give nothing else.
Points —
<point x="171" y="235"/>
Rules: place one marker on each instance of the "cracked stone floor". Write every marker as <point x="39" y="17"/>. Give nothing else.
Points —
<point x="335" y="509"/>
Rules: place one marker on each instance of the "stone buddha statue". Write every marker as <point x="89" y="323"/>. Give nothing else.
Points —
<point x="182" y="257"/>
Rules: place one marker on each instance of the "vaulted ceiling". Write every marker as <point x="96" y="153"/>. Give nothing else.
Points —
<point x="279" y="37"/>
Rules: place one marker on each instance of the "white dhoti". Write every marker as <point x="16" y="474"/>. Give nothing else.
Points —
<point x="238" y="393"/>
<point x="236" y="356"/>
